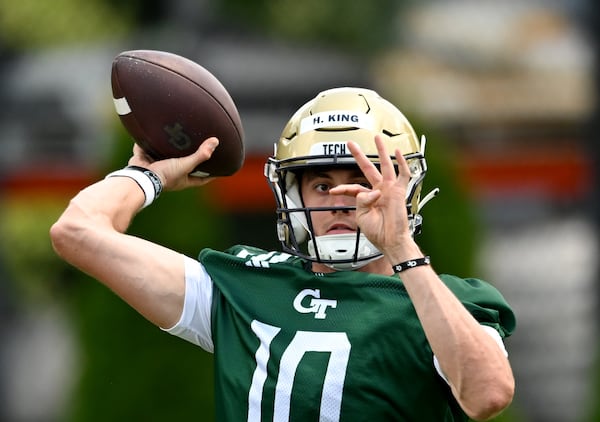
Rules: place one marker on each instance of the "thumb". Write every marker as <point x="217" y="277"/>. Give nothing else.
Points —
<point x="367" y="199"/>
<point x="202" y="154"/>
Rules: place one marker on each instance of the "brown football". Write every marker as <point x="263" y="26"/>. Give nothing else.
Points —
<point x="170" y="105"/>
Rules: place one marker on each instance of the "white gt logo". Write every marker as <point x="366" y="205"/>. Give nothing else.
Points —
<point x="317" y="305"/>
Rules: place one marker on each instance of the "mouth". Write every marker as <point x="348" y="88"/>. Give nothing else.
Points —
<point x="340" y="228"/>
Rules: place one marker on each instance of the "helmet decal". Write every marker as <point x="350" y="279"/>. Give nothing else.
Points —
<point x="336" y="119"/>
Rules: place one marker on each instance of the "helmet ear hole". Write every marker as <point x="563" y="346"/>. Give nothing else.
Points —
<point x="282" y="231"/>
<point x="293" y="201"/>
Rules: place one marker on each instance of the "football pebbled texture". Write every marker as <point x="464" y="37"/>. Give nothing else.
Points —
<point x="170" y="105"/>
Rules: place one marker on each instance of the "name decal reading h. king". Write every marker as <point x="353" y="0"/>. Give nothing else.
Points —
<point x="336" y="119"/>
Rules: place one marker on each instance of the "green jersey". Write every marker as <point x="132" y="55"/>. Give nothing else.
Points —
<point x="293" y="345"/>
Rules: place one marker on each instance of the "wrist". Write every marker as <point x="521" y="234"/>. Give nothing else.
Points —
<point x="146" y="179"/>
<point x="405" y="249"/>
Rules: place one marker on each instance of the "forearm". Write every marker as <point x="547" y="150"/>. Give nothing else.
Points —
<point x="475" y="366"/>
<point x="113" y="201"/>
<point x="109" y="204"/>
<point x="89" y="235"/>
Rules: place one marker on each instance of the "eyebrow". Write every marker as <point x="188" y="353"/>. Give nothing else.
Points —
<point x="324" y="173"/>
<point x="310" y="175"/>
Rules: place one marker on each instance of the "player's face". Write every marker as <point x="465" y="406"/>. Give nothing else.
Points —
<point x="315" y="186"/>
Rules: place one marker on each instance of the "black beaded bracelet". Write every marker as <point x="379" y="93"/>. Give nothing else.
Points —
<point x="156" y="183"/>
<point x="411" y="263"/>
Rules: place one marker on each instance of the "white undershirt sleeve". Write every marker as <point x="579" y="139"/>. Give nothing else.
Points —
<point x="194" y="325"/>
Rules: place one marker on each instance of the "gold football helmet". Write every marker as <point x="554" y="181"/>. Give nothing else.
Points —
<point x="317" y="135"/>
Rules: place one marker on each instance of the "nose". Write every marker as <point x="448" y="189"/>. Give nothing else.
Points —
<point x="342" y="201"/>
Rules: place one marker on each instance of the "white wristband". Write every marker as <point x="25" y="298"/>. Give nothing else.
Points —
<point x="146" y="179"/>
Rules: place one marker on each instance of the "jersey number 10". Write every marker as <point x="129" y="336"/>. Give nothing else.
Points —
<point x="336" y="344"/>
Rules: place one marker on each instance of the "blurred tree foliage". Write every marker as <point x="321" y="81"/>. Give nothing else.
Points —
<point x="362" y="27"/>
<point x="358" y="27"/>
<point x="451" y="228"/>
<point x="27" y="24"/>
<point x="24" y="246"/>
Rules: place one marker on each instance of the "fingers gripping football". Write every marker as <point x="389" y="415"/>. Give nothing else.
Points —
<point x="175" y="172"/>
<point x="170" y="105"/>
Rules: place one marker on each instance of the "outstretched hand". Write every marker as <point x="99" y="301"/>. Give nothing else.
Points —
<point x="380" y="210"/>
<point x="174" y="173"/>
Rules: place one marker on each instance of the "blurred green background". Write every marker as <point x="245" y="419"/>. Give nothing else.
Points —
<point x="503" y="93"/>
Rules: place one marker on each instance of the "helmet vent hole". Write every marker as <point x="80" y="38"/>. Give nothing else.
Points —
<point x="336" y="129"/>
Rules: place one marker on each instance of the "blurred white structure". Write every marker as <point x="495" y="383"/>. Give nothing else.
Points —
<point x="547" y="272"/>
<point x="515" y="79"/>
<point x="490" y="60"/>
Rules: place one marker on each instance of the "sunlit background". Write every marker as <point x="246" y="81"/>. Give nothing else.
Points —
<point x="504" y="90"/>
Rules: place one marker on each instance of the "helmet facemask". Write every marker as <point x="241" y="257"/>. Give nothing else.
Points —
<point x="310" y="139"/>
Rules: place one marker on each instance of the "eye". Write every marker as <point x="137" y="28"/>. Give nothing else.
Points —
<point x="321" y="187"/>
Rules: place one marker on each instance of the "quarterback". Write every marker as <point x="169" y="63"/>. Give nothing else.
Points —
<point x="349" y="321"/>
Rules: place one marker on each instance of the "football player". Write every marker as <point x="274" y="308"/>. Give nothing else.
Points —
<point x="349" y="321"/>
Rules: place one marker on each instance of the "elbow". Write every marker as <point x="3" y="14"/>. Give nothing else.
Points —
<point x="59" y="232"/>
<point x="63" y="237"/>
<point x="492" y="401"/>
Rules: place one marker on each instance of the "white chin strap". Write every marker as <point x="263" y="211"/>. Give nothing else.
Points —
<point x="341" y="247"/>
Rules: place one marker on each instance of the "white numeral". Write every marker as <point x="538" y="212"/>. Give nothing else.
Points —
<point x="336" y="344"/>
